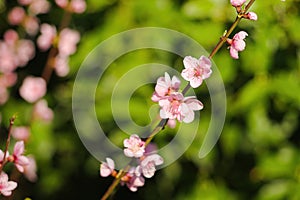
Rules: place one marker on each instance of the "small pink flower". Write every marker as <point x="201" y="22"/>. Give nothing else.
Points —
<point x="25" y="2"/>
<point x="196" y="70"/>
<point x="42" y="111"/>
<point x="21" y="133"/>
<point x="39" y="7"/>
<point x="165" y="86"/>
<point x="68" y="39"/>
<point x="16" y="16"/>
<point x="30" y="169"/>
<point x="61" y="66"/>
<point x="136" y="180"/>
<point x="134" y="146"/>
<point x="11" y="37"/>
<point x="237" y="3"/>
<point x="171" y="123"/>
<point x="3" y="95"/>
<point x="33" y="88"/>
<point x="18" y="158"/>
<point x="6" y="186"/>
<point x="148" y="164"/>
<point x="180" y="108"/>
<point x="62" y="3"/>
<point x="78" y="6"/>
<point x="107" y="168"/>
<point x="48" y="34"/>
<point x="31" y="25"/>
<point x="25" y="52"/>
<point x="8" y="79"/>
<point x="251" y="16"/>
<point x="237" y="44"/>
<point x="2" y="156"/>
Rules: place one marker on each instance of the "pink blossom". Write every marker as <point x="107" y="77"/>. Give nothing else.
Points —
<point x="180" y="108"/>
<point x="61" y="66"/>
<point x="11" y="37"/>
<point x="6" y="186"/>
<point x="251" y="16"/>
<point x="237" y="3"/>
<point x="196" y="70"/>
<point x="68" y="39"/>
<point x="25" y="2"/>
<point x="39" y="7"/>
<point x="33" y="88"/>
<point x="78" y="6"/>
<point x="30" y="169"/>
<point x="42" y="111"/>
<point x="148" y="164"/>
<point x="171" y="123"/>
<point x="31" y="25"/>
<point x="165" y="86"/>
<point x="136" y="180"/>
<point x="107" y="168"/>
<point x="62" y="3"/>
<point x="3" y="95"/>
<point x="25" y="52"/>
<point x="8" y="79"/>
<point x="134" y="146"/>
<point x="46" y="39"/>
<point x="21" y="132"/>
<point x="14" y="52"/>
<point x="16" y="16"/>
<point x="18" y="158"/>
<point x="8" y="60"/>
<point x="237" y="44"/>
<point x="2" y="156"/>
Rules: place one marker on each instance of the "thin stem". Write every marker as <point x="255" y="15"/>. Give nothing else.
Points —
<point x="11" y="123"/>
<point x="161" y="125"/>
<point x="114" y="184"/>
<point x="50" y="64"/>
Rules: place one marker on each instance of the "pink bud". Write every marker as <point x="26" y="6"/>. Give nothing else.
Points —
<point x="78" y="6"/>
<point x="252" y="16"/>
<point x="21" y="133"/>
<point x="68" y="39"/>
<point x="30" y="169"/>
<point x="31" y="25"/>
<point x="39" y="7"/>
<point x="25" y="2"/>
<point x="16" y="15"/>
<point x="11" y="37"/>
<point x="237" y="3"/>
<point x="42" y="111"/>
<point x="62" y="3"/>
<point x="48" y="34"/>
<point x="61" y="66"/>
<point x="33" y="88"/>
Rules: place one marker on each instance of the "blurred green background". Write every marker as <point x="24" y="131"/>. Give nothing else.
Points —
<point x="257" y="155"/>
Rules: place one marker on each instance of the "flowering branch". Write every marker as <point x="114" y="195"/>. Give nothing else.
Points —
<point x="174" y="106"/>
<point x="238" y="18"/>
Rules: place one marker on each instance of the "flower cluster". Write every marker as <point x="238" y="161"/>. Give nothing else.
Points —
<point x="237" y="43"/>
<point x="24" y="164"/>
<point x="146" y="163"/>
<point x="65" y="41"/>
<point x="173" y="105"/>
